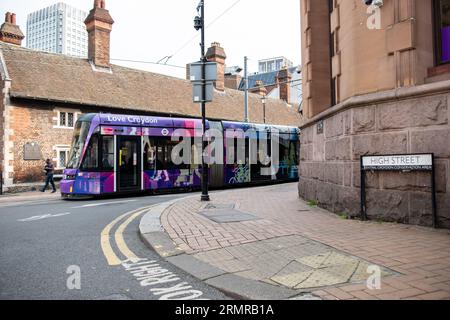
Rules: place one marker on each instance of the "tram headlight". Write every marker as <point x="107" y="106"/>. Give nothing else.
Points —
<point x="70" y="177"/>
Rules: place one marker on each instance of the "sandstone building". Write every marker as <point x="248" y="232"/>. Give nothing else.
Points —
<point x="42" y="94"/>
<point x="375" y="81"/>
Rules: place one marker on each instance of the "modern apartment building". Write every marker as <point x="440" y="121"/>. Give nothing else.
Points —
<point x="58" y="28"/>
<point x="274" y="64"/>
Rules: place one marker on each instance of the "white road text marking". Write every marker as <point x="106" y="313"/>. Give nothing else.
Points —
<point x="102" y="204"/>
<point x="151" y="274"/>
<point x="44" y="216"/>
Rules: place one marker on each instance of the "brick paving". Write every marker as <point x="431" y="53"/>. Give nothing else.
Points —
<point x="419" y="256"/>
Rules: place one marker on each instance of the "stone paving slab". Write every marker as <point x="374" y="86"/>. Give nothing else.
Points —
<point x="162" y="244"/>
<point x="227" y="215"/>
<point x="304" y="264"/>
<point x="195" y="267"/>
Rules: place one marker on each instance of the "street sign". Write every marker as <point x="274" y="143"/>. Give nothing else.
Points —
<point x="197" y="92"/>
<point x="399" y="162"/>
<point x="210" y="70"/>
<point x="408" y="162"/>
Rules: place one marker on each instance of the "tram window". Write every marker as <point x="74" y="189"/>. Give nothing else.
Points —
<point x="265" y="151"/>
<point x="284" y="147"/>
<point x="108" y="153"/>
<point x="239" y="149"/>
<point x="171" y="145"/>
<point x="164" y="147"/>
<point x="160" y="157"/>
<point x="196" y="154"/>
<point x="149" y="154"/>
<point x="90" y="161"/>
<point x="293" y="153"/>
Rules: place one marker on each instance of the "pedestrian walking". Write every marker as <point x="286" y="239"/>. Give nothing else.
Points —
<point x="49" y="172"/>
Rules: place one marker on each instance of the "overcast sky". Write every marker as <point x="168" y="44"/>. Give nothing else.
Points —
<point x="151" y="30"/>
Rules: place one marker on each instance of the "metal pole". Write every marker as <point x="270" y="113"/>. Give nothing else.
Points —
<point x="363" y="193"/>
<point x="433" y="195"/>
<point x="246" y="89"/>
<point x="205" y="195"/>
<point x="264" y="111"/>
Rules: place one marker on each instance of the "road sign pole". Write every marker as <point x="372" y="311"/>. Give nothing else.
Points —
<point x="205" y="176"/>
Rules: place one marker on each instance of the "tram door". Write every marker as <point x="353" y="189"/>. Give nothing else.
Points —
<point x="129" y="163"/>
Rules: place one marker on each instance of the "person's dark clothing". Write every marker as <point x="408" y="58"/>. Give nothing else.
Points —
<point x="49" y="169"/>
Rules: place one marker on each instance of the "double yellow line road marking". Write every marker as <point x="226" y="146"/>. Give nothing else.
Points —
<point x="105" y="238"/>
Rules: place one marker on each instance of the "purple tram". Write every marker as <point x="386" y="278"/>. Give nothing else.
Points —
<point x="116" y="154"/>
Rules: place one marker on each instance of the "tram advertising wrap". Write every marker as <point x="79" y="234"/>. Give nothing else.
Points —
<point x="115" y="154"/>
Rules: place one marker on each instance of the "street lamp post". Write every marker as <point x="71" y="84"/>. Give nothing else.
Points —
<point x="199" y="23"/>
<point x="263" y="99"/>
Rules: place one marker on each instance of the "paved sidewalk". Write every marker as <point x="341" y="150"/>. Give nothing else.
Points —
<point x="266" y="243"/>
<point x="23" y="197"/>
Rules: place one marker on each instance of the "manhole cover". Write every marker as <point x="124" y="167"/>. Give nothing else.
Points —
<point x="228" y="216"/>
<point x="219" y="206"/>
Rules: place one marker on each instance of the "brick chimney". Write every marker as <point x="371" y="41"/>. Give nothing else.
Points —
<point x="99" y="25"/>
<point x="217" y="54"/>
<point x="232" y="81"/>
<point x="259" y="88"/>
<point x="10" y="31"/>
<point x="284" y="84"/>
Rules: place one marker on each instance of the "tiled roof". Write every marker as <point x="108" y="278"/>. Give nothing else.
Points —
<point x="268" y="78"/>
<point x="52" y="77"/>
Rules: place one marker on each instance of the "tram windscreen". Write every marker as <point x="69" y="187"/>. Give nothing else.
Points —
<point x="79" y="140"/>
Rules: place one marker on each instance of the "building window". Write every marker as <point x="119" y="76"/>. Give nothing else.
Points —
<point x="66" y="119"/>
<point x="62" y="154"/>
<point x="442" y="18"/>
<point x="333" y="52"/>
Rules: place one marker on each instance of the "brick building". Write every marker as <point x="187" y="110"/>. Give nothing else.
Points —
<point x="375" y="81"/>
<point x="42" y="94"/>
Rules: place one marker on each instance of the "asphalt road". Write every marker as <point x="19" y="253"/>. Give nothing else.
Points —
<point x="51" y="249"/>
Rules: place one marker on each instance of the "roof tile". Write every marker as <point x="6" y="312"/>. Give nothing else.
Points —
<point x="45" y="76"/>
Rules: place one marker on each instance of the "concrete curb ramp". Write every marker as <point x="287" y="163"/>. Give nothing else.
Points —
<point x="154" y="236"/>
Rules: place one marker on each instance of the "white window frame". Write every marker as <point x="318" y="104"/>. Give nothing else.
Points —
<point x="58" y="149"/>
<point x="59" y="125"/>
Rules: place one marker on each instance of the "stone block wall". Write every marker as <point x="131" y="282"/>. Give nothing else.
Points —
<point x="330" y="161"/>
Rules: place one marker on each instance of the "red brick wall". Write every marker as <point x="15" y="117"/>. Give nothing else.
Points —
<point x="2" y="123"/>
<point x="99" y="47"/>
<point x="32" y="123"/>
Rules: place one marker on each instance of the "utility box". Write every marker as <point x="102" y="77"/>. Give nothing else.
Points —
<point x="196" y="71"/>
<point x="197" y="92"/>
